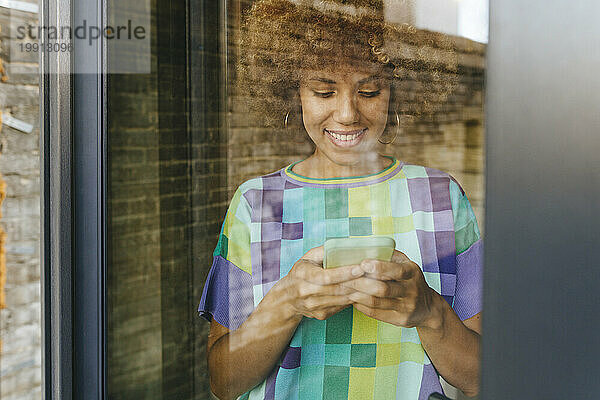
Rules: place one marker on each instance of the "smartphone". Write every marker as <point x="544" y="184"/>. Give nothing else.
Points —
<point x="349" y="251"/>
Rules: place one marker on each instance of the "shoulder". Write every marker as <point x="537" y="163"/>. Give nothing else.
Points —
<point x="261" y="188"/>
<point x="431" y="189"/>
<point x="439" y="179"/>
<point x="271" y="181"/>
<point x="412" y="171"/>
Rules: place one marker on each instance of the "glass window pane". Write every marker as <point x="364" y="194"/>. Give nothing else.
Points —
<point x="307" y="120"/>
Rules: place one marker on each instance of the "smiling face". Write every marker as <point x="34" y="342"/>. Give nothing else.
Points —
<point x="344" y="112"/>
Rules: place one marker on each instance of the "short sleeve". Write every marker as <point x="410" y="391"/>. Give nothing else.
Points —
<point x="227" y="295"/>
<point x="469" y="256"/>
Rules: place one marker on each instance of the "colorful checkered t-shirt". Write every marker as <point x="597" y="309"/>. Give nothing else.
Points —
<point x="275" y="219"/>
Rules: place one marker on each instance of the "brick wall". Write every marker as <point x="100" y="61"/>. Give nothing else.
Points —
<point x="167" y="200"/>
<point x="20" y="355"/>
<point x="134" y="337"/>
<point x="134" y="341"/>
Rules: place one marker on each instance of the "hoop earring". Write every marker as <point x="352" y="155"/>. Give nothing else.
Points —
<point x="285" y="120"/>
<point x="397" y="130"/>
<point x="291" y="135"/>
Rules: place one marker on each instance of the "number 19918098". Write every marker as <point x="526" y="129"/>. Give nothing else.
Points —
<point x="49" y="47"/>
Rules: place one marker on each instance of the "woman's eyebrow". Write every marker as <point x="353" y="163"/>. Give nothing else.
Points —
<point x="324" y="80"/>
<point x="361" y="82"/>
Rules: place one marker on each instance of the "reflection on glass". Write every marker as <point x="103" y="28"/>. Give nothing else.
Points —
<point x="304" y="120"/>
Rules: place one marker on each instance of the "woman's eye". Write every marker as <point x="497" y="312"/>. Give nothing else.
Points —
<point x="324" y="94"/>
<point x="369" y="93"/>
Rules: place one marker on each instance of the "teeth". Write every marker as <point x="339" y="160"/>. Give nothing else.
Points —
<point x="345" y="138"/>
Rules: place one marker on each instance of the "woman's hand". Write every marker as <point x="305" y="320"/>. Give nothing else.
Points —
<point x="315" y="292"/>
<point x="396" y="292"/>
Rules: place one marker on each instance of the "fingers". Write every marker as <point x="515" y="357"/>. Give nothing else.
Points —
<point x="307" y="289"/>
<point x="315" y="274"/>
<point x="405" y="308"/>
<point x="322" y="307"/>
<point x="315" y="255"/>
<point x="378" y="288"/>
<point x="381" y="315"/>
<point x="380" y="303"/>
<point x="326" y="312"/>
<point x="399" y="257"/>
<point x="317" y="303"/>
<point x="389" y="270"/>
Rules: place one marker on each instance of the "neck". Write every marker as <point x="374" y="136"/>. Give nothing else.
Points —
<point x="320" y="166"/>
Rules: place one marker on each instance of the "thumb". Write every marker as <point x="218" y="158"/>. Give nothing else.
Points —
<point x="399" y="257"/>
<point x="315" y="255"/>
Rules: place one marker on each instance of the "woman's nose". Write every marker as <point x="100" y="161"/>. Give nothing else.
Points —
<point x="346" y="112"/>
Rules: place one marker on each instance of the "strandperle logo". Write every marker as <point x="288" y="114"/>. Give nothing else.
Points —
<point x="127" y="40"/>
<point x="84" y="31"/>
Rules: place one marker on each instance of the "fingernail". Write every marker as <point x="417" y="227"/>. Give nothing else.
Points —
<point x="357" y="271"/>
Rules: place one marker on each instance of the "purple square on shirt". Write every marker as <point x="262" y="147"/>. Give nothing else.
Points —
<point x="428" y="251"/>
<point x="446" y="252"/>
<point x="420" y="195"/>
<point x="440" y="194"/>
<point x="270" y="385"/>
<point x="292" y="231"/>
<point x="291" y="358"/>
<point x="430" y="382"/>
<point x="270" y="254"/>
<point x="256" y="260"/>
<point x="272" y="206"/>
<point x="270" y="231"/>
<point x="443" y="221"/>
<point x="273" y="181"/>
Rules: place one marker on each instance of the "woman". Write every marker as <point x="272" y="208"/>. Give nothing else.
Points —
<point x="281" y="325"/>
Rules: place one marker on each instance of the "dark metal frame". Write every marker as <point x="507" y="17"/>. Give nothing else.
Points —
<point x="73" y="155"/>
<point x="56" y="204"/>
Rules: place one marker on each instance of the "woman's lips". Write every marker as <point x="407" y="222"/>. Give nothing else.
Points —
<point x="345" y="138"/>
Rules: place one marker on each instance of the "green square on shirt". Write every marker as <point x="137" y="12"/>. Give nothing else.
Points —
<point x="335" y="382"/>
<point x="337" y="354"/>
<point x="312" y="203"/>
<point x="221" y="249"/>
<point x="360" y="226"/>
<point x="337" y="228"/>
<point x="339" y="327"/>
<point x="313" y="331"/>
<point x="336" y="203"/>
<point x="363" y="355"/>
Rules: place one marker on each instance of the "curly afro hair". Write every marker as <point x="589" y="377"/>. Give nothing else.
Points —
<point x="282" y="38"/>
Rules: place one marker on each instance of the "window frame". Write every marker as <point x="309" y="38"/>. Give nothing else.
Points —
<point x="73" y="208"/>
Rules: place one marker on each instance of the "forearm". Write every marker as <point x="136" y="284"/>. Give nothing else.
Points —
<point x="243" y="358"/>
<point x="453" y="348"/>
